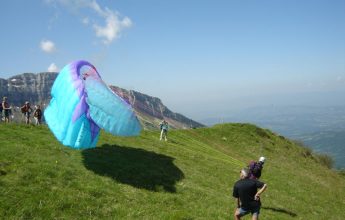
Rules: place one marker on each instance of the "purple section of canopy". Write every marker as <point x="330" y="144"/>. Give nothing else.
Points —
<point x="82" y="107"/>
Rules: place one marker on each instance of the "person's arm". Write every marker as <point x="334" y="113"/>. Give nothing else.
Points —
<point x="257" y="195"/>
<point x="236" y="196"/>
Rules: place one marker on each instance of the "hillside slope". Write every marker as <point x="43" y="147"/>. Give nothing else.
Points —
<point x="189" y="177"/>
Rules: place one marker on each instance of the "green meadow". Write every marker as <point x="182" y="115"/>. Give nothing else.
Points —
<point x="189" y="177"/>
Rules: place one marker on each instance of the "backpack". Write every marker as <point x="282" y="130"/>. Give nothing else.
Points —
<point x="38" y="113"/>
<point x="255" y="169"/>
<point x="23" y="109"/>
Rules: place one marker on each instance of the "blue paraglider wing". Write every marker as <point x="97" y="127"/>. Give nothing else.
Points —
<point x="66" y="114"/>
<point x="81" y="104"/>
<point x="108" y="110"/>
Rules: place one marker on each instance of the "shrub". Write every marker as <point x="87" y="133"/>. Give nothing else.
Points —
<point x="342" y="172"/>
<point x="325" y="160"/>
<point x="262" y="133"/>
<point x="307" y="151"/>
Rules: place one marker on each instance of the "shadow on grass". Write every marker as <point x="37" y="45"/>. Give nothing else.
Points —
<point x="292" y="214"/>
<point x="134" y="166"/>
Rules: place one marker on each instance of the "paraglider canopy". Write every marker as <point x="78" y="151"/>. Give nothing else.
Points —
<point x="82" y="103"/>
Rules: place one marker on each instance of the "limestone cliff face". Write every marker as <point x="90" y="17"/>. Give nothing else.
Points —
<point x="31" y="87"/>
<point x="151" y="110"/>
<point x="35" y="88"/>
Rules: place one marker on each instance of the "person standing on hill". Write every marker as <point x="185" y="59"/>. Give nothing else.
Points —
<point x="26" y="110"/>
<point x="1" y="108"/>
<point x="164" y="126"/>
<point x="255" y="168"/>
<point x="6" y="109"/>
<point x="38" y="115"/>
<point x="247" y="195"/>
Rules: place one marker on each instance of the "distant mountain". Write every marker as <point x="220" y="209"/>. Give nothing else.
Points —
<point x="321" y="128"/>
<point x="35" y="88"/>
<point x="31" y="87"/>
<point x="331" y="142"/>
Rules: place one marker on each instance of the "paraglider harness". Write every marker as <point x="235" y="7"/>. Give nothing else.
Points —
<point x="255" y="169"/>
<point x="38" y="113"/>
<point x="26" y="109"/>
<point x="164" y="126"/>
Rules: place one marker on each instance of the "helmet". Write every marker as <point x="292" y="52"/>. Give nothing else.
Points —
<point x="262" y="159"/>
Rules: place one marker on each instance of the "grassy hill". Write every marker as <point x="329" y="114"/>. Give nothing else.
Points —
<point x="189" y="177"/>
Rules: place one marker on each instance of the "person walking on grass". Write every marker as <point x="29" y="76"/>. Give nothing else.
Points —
<point x="38" y="115"/>
<point x="247" y="195"/>
<point x="164" y="126"/>
<point x="6" y="110"/>
<point x="26" y="110"/>
<point x="255" y="168"/>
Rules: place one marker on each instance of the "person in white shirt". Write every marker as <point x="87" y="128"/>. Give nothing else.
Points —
<point x="164" y="126"/>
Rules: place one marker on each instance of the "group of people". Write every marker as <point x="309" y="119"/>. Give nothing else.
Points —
<point x="26" y="110"/>
<point x="248" y="189"/>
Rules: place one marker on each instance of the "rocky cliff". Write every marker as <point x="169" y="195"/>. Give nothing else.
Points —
<point x="35" y="88"/>
<point x="151" y="110"/>
<point x="31" y="87"/>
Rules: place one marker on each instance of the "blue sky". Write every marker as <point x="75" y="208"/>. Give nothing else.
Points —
<point x="203" y="58"/>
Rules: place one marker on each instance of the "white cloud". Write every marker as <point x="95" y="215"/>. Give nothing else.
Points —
<point x="112" y="28"/>
<point x="113" y="23"/>
<point x="126" y="22"/>
<point x="53" y="68"/>
<point x="47" y="46"/>
<point x="85" y="21"/>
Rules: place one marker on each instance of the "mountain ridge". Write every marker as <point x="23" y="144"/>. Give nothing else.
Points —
<point x="321" y="128"/>
<point x="35" y="88"/>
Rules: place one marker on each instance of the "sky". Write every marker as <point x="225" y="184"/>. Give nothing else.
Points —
<point x="202" y="58"/>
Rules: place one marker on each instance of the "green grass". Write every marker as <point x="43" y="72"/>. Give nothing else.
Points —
<point x="189" y="177"/>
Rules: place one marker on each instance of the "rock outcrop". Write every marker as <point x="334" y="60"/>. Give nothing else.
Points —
<point x="31" y="87"/>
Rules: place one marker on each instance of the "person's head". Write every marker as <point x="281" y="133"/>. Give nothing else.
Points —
<point x="4" y="99"/>
<point x="38" y="106"/>
<point x="27" y="103"/>
<point x="262" y="159"/>
<point x="244" y="173"/>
